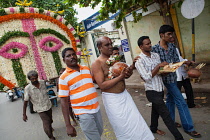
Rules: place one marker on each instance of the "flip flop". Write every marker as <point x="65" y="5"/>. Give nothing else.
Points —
<point x="194" y="134"/>
<point x="178" y="125"/>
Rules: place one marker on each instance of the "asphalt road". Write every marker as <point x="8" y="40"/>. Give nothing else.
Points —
<point x="12" y="127"/>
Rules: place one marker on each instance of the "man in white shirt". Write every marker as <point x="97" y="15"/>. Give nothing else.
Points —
<point x="36" y="92"/>
<point x="148" y="66"/>
<point x="184" y="81"/>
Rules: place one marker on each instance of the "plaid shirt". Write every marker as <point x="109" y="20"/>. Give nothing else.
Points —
<point x="169" y="56"/>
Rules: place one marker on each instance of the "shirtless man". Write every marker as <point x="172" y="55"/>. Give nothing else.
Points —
<point x="121" y="110"/>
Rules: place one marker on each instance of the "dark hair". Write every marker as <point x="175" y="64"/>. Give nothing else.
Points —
<point x="115" y="48"/>
<point x="141" y="39"/>
<point x="65" y="50"/>
<point x="32" y="73"/>
<point x="166" y="28"/>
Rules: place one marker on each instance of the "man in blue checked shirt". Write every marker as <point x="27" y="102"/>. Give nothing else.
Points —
<point x="148" y="66"/>
<point x="167" y="52"/>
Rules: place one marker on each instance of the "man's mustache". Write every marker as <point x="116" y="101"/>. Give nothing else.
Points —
<point x="73" y="59"/>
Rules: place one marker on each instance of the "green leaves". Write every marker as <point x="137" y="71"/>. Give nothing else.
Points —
<point x="11" y="34"/>
<point x="51" y="31"/>
<point x="137" y="17"/>
<point x="2" y="12"/>
<point x="1" y="86"/>
<point x="180" y="3"/>
<point x="57" y="61"/>
<point x="19" y="74"/>
<point x="22" y="10"/>
<point x="111" y="6"/>
<point x="108" y="6"/>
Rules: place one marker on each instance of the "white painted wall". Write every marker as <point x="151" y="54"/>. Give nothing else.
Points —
<point x="89" y="44"/>
<point x="123" y="35"/>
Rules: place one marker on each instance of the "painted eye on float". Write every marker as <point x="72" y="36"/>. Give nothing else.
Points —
<point x="45" y="40"/>
<point x="8" y="52"/>
<point x="13" y="50"/>
<point x="49" y="39"/>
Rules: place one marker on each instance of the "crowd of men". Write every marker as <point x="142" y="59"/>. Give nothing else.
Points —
<point x="79" y="99"/>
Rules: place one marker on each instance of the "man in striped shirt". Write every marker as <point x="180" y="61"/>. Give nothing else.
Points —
<point x="148" y="66"/>
<point x="76" y="83"/>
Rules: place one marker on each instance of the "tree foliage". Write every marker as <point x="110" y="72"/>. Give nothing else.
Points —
<point x="125" y="7"/>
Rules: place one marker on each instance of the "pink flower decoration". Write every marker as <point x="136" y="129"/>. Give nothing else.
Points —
<point x="48" y="39"/>
<point x="4" y="50"/>
<point x="79" y="53"/>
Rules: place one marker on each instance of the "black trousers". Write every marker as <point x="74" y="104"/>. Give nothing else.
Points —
<point x="188" y="90"/>
<point x="159" y="109"/>
<point x="47" y="120"/>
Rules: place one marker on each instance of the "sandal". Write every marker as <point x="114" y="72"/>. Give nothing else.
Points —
<point x="194" y="134"/>
<point x="178" y="125"/>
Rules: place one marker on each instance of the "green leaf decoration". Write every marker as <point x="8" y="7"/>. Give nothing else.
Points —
<point x="22" y="10"/>
<point x="2" y="12"/>
<point x="15" y="50"/>
<point x="41" y="10"/>
<point x="57" y="61"/>
<point x="1" y="87"/>
<point x="11" y="34"/>
<point x="19" y="74"/>
<point x="55" y="16"/>
<point x="51" y="31"/>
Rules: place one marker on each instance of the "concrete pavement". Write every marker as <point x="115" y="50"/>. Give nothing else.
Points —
<point x="12" y="126"/>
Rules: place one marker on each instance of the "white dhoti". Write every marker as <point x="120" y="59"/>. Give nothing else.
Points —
<point x="125" y="117"/>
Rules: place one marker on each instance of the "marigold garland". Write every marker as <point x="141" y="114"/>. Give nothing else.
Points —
<point x="6" y="83"/>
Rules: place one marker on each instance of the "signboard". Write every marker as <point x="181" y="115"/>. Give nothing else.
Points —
<point x="92" y="22"/>
<point x="192" y="8"/>
<point x="125" y="45"/>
